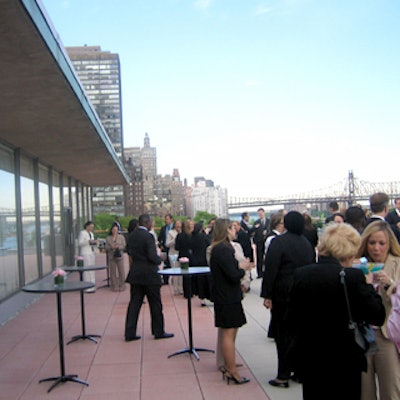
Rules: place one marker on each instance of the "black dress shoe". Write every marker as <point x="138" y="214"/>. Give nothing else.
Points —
<point x="131" y="339"/>
<point x="295" y="378"/>
<point x="280" y="384"/>
<point x="164" y="336"/>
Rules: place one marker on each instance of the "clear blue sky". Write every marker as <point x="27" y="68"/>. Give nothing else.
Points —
<point x="266" y="98"/>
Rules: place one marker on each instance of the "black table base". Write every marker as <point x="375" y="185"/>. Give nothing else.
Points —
<point x="193" y="351"/>
<point x="83" y="337"/>
<point x="62" y="379"/>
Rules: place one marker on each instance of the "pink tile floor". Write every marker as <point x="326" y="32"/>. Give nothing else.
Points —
<point x="114" y="369"/>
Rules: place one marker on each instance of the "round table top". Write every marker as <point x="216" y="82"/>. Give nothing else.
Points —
<point x="74" y="268"/>
<point x="189" y="271"/>
<point x="50" y="287"/>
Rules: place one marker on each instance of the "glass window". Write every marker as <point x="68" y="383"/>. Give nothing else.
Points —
<point x="9" y="276"/>
<point x="46" y="239"/>
<point x="58" y="231"/>
<point x="28" y="221"/>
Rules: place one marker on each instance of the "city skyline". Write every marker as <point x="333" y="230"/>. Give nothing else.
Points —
<point x="266" y="98"/>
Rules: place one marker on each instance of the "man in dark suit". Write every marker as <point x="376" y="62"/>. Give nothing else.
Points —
<point x="162" y="239"/>
<point x="244" y="223"/>
<point x="379" y="205"/>
<point x="333" y="209"/>
<point x="144" y="280"/>
<point x="260" y="229"/>
<point x="393" y="218"/>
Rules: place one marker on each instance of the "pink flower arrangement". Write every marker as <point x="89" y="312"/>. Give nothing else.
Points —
<point x="59" y="272"/>
<point x="183" y="260"/>
<point x="79" y="258"/>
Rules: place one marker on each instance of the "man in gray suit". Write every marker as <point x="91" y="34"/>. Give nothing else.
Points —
<point x="144" y="280"/>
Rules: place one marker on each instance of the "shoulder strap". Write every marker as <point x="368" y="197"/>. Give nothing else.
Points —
<point x="343" y="281"/>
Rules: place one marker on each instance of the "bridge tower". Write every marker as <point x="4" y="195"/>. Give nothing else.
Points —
<point x="351" y="188"/>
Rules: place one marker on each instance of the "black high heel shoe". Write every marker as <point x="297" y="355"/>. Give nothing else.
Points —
<point x="223" y="370"/>
<point x="229" y="377"/>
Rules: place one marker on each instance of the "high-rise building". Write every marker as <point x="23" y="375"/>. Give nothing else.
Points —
<point x="204" y="196"/>
<point x="100" y="75"/>
<point x="146" y="157"/>
<point x="160" y="194"/>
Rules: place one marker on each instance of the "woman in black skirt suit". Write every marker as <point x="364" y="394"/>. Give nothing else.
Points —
<point x="228" y="310"/>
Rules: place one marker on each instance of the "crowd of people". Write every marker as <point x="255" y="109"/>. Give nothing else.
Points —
<point x="308" y="285"/>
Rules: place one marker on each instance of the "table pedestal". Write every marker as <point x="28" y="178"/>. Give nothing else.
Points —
<point x="63" y="377"/>
<point x="83" y="336"/>
<point x="191" y="349"/>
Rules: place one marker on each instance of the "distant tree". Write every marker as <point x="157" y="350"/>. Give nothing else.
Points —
<point x="203" y="216"/>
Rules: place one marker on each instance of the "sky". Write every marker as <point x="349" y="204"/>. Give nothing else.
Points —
<point x="265" y="98"/>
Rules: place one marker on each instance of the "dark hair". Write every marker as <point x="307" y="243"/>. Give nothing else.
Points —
<point x="294" y="222"/>
<point x="355" y="216"/>
<point x="145" y="220"/>
<point x="169" y="216"/>
<point x="260" y="209"/>
<point x="244" y="214"/>
<point x="87" y="224"/>
<point x="133" y="223"/>
<point x="334" y="205"/>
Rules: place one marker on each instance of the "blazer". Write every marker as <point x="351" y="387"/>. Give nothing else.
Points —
<point x="393" y="218"/>
<point x="226" y="275"/>
<point x="394" y="227"/>
<point x="83" y="242"/>
<point x="144" y="258"/>
<point x="261" y="231"/>
<point x="120" y="241"/>
<point x="243" y="238"/>
<point x="285" y="253"/>
<point x="392" y="269"/>
<point x="318" y="316"/>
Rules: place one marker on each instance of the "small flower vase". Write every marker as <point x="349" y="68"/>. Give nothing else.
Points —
<point x="58" y="280"/>
<point x="184" y="265"/>
<point x="79" y="263"/>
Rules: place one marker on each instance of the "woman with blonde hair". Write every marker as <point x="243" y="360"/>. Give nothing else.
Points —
<point x="227" y="273"/>
<point x="379" y="245"/>
<point x="324" y="353"/>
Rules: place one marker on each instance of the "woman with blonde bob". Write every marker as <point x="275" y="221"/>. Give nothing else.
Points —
<point x="324" y="353"/>
<point x="379" y="245"/>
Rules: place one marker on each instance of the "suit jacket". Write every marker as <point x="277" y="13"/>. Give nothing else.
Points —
<point x="261" y="231"/>
<point x="144" y="258"/>
<point x="243" y="238"/>
<point x="319" y="320"/>
<point x="226" y="275"/>
<point x="394" y="227"/>
<point x="286" y="253"/>
<point x="393" y="218"/>
<point x="244" y="226"/>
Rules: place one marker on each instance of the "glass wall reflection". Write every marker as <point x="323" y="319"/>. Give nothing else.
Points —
<point x="9" y="276"/>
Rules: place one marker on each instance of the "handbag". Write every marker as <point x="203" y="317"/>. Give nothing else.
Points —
<point x="117" y="253"/>
<point x="364" y="335"/>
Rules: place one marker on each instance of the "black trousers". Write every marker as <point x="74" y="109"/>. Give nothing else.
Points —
<point x="260" y="249"/>
<point x="152" y="292"/>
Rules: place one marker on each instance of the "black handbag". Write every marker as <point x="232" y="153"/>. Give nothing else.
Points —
<point x="117" y="253"/>
<point x="364" y="335"/>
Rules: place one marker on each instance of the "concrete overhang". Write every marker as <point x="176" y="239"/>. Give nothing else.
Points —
<point x="43" y="108"/>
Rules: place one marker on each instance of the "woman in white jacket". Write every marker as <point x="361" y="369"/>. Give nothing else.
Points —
<point x="87" y="249"/>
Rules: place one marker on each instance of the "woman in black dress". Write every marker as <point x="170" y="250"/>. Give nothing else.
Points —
<point x="228" y="310"/>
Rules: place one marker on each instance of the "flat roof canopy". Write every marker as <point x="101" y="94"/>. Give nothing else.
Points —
<point x="43" y="109"/>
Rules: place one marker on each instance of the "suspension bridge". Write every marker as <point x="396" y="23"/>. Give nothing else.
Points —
<point x="349" y="191"/>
